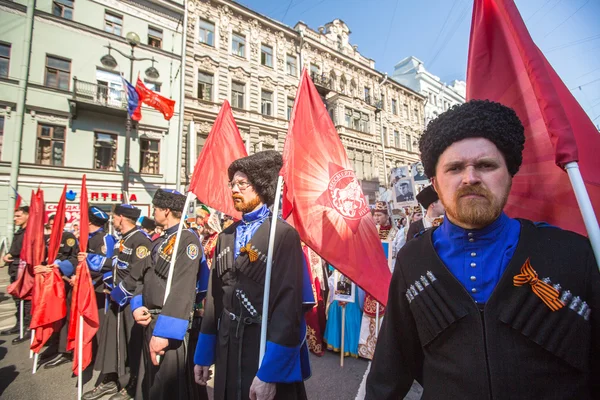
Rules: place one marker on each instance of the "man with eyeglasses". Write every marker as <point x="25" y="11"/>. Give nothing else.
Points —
<point x="230" y="333"/>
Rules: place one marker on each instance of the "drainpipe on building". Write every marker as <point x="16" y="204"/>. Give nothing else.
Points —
<point x="300" y="52"/>
<point x="181" y="98"/>
<point x="385" y="173"/>
<point x="18" y="139"/>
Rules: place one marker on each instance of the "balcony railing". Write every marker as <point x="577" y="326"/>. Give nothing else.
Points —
<point x="321" y="80"/>
<point x="99" y="94"/>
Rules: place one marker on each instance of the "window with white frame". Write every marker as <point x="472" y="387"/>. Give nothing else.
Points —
<point x="266" y="102"/>
<point x="291" y="65"/>
<point x="290" y="107"/>
<point x="238" y="44"/>
<point x="238" y="90"/>
<point x="206" y="32"/>
<point x="266" y="55"/>
<point x="205" y="85"/>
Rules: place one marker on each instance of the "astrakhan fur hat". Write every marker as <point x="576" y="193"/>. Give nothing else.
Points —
<point x="262" y="170"/>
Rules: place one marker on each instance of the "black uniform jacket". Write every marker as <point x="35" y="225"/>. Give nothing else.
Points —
<point x="513" y="348"/>
<point x="128" y="265"/>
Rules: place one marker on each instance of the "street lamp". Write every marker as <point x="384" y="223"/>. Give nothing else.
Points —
<point x="110" y="62"/>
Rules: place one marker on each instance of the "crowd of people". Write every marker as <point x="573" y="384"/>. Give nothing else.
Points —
<point x="480" y="305"/>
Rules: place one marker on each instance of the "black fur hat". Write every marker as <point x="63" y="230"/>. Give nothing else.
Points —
<point x="97" y="217"/>
<point x="128" y="211"/>
<point x="148" y="223"/>
<point x="427" y="196"/>
<point x="262" y="170"/>
<point x="169" y="198"/>
<point x="474" y="119"/>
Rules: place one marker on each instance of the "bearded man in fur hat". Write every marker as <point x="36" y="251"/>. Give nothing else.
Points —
<point x="231" y="329"/>
<point x="486" y="306"/>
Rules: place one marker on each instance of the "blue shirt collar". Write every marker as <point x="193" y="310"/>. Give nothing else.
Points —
<point x="96" y="231"/>
<point x="256" y="215"/>
<point x="172" y="229"/>
<point x="452" y="231"/>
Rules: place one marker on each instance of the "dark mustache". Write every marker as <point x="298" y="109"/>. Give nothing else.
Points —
<point x="473" y="190"/>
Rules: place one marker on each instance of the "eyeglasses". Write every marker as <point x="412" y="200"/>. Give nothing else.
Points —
<point x="242" y="185"/>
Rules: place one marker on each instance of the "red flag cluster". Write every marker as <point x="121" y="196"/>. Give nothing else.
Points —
<point x="557" y="130"/>
<point x="141" y="94"/>
<point x="34" y="247"/>
<point x="49" y="305"/>
<point x="84" y="317"/>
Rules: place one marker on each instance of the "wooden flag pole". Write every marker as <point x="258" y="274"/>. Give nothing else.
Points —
<point x="79" y="358"/>
<point x="343" y="305"/>
<point x="586" y="208"/>
<point x="266" y="295"/>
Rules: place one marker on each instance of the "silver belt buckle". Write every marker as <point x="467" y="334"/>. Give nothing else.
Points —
<point x="232" y="316"/>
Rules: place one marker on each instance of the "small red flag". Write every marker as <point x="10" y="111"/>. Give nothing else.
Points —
<point x="323" y="199"/>
<point x="49" y="306"/>
<point x="557" y="130"/>
<point x="223" y="146"/>
<point x="155" y="100"/>
<point x="18" y="200"/>
<point x="83" y="299"/>
<point x="32" y="252"/>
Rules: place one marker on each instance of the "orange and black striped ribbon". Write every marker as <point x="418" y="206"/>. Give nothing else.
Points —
<point x="252" y="254"/>
<point x="548" y="294"/>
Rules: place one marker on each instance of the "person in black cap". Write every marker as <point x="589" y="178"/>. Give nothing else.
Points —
<point x="231" y="327"/>
<point x="101" y="247"/>
<point x="429" y="200"/>
<point x="148" y="226"/>
<point x="120" y="338"/>
<point x="404" y="192"/>
<point x="166" y="322"/>
<point x="486" y="306"/>
<point x="13" y="258"/>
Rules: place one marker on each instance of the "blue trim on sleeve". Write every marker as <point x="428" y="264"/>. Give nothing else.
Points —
<point x="107" y="278"/>
<point x="65" y="267"/>
<point x="120" y="295"/>
<point x="170" y="327"/>
<point x="137" y="302"/>
<point x="205" y="350"/>
<point x="281" y="364"/>
<point x="95" y="261"/>
<point x="203" y="276"/>
<point x="308" y="297"/>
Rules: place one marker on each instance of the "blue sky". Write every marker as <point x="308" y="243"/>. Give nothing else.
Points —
<point x="437" y="32"/>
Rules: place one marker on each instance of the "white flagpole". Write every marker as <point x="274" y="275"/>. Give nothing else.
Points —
<point x="35" y="363"/>
<point x="188" y="200"/>
<point x="585" y="206"/>
<point x="21" y="319"/>
<point x="377" y="321"/>
<point x="31" y="342"/>
<point x="79" y="358"/>
<point x="265" y="311"/>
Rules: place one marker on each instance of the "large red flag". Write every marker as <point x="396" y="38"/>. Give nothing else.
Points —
<point x="557" y="130"/>
<point x="323" y="199"/>
<point x="49" y="305"/>
<point x="155" y="100"/>
<point x="32" y="252"/>
<point x="223" y="146"/>
<point x="83" y="300"/>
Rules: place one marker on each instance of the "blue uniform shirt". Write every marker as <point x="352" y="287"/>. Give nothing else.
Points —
<point x="250" y="223"/>
<point x="478" y="257"/>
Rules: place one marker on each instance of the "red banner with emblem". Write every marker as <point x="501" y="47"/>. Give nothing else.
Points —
<point x="323" y="199"/>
